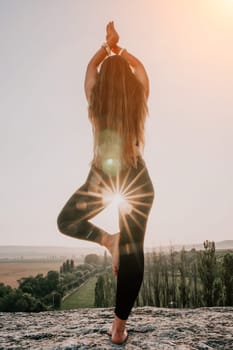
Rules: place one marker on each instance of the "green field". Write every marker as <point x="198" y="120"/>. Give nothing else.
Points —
<point x="83" y="297"/>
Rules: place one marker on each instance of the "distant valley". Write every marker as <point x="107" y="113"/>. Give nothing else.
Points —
<point x="21" y="253"/>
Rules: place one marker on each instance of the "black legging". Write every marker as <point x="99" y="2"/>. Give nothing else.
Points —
<point x="89" y="200"/>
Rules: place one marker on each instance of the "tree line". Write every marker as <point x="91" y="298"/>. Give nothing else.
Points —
<point x="179" y="279"/>
<point x="175" y="279"/>
<point x="42" y="293"/>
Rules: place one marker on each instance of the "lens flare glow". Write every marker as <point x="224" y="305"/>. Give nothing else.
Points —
<point x="127" y="195"/>
<point x="118" y="201"/>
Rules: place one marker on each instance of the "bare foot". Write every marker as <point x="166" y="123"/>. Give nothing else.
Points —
<point x="118" y="331"/>
<point x="111" y="242"/>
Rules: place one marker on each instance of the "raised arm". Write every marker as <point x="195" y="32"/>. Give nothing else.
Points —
<point x="91" y="71"/>
<point x="112" y="38"/>
<point x="138" y="67"/>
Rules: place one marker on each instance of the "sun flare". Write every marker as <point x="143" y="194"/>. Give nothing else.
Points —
<point x="125" y="196"/>
<point x="118" y="202"/>
<point x="118" y="199"/>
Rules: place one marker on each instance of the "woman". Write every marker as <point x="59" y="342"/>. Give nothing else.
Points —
<point x="117" y="88"/>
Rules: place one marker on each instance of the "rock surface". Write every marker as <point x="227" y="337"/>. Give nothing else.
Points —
<point x="148" y="328"/>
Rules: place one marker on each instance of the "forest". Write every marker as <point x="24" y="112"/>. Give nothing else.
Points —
<point x="182" y="279"/>
<point x="43" y="293"/>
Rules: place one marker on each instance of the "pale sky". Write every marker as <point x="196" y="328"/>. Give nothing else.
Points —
<point x="46" y="138"/>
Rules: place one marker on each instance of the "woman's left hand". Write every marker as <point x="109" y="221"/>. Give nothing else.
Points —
<point x="112" y="36"/>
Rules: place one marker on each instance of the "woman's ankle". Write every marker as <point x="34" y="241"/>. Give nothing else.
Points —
<point x="118" y="332"/>
<point x="107" y="240"/>
<point x="119" y="324"/>
<point x="104" y="239"/>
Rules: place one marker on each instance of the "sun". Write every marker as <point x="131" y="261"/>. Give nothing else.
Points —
<point x="118" y="201"/>
<point x="227" y="4"/>
<point x="118" y="198"/>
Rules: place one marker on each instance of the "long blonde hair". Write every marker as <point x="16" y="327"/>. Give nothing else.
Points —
<point x="118" y="108"/>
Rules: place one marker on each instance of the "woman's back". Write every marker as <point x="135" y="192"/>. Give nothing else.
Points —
<point x="117" y="111"/>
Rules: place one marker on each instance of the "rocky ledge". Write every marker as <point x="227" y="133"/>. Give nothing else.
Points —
<point x="148" y="328"/>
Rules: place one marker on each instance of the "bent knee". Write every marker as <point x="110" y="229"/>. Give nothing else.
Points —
<point x="61" y="224"/>
<point x="69" y="227"/>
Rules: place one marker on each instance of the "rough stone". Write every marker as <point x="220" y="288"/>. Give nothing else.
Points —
<point x="148" y="327"/>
